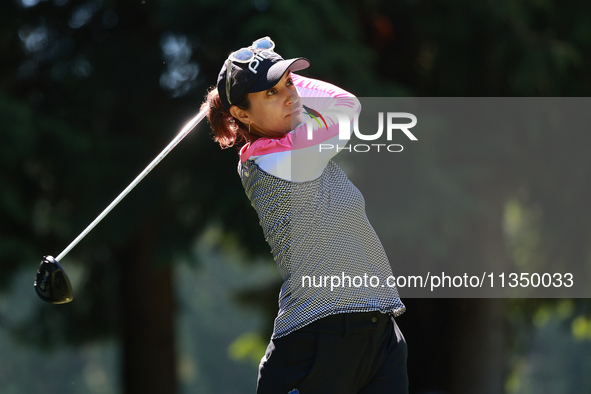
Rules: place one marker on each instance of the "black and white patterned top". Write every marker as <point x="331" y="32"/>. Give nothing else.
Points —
<point x="328" y="254"/>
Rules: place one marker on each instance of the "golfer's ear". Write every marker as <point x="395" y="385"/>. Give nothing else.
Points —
<point x="240" y="114"/>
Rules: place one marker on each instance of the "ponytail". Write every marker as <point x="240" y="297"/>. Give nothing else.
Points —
<point x="227" y="131"/>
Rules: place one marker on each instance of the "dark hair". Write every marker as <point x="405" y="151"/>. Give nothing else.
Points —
<point x="227" y="130"/>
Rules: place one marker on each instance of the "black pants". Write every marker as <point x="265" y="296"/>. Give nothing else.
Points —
<point x="361" y="353"/>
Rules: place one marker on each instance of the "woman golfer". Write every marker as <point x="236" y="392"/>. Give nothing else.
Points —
<point x="335" y="330"/>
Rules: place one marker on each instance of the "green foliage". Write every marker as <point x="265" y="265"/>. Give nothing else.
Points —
<point x="249" y="347"/>
<point x="557" y="348"/>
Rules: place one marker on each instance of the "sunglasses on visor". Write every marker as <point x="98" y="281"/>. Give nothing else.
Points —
<point x="245" y="55"/>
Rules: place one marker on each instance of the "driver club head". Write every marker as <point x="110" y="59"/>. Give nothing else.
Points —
<point x="51" y="282"/>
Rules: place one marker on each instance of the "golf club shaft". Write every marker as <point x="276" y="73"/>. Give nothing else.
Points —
<point x="182" y="134"/>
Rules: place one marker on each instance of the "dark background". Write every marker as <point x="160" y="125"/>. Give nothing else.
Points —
<point x="174" y="290"/>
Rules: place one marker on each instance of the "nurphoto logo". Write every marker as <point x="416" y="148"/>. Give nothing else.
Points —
<point x="393" y="126"/>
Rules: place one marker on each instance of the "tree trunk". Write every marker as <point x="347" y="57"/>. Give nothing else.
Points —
<point x="459" y="346"/>
<point x="147" y="313"/>
<point x="480" y="327"/>
<point x="479" y="362"/>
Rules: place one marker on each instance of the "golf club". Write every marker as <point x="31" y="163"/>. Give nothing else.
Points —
<point x="51" y="282"/>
